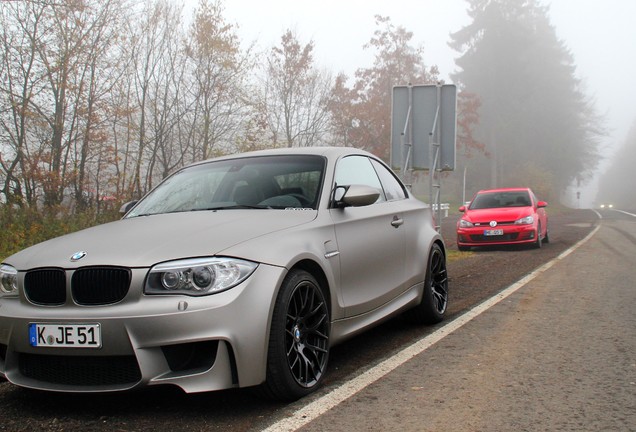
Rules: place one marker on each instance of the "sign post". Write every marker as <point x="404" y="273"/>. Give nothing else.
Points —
<point x="423" y="133"/>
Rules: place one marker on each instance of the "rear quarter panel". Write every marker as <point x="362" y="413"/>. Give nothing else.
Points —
<point x="420" y="236"/>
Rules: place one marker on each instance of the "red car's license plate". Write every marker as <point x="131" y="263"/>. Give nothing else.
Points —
<point x="496" y="232"/>
<point x="65" y="335"/>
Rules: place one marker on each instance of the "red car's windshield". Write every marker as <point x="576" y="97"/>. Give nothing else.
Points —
<point x="501" y="199"/>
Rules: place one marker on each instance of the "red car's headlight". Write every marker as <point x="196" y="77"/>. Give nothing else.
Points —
<point x="528" y="220"/>
<point x="463" y="223"/>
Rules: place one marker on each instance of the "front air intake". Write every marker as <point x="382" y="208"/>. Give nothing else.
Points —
<point x="80" y="371"/>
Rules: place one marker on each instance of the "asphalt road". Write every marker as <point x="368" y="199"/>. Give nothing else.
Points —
<point x="559" y="354"/>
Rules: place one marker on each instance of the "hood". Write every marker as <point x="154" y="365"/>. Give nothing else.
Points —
<point x="505" y="214"/>
<point x="146" y="240"/>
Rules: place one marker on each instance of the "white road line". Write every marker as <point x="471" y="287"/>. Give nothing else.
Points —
<point x="320" y="406"/>
<point x="627" y="213"/>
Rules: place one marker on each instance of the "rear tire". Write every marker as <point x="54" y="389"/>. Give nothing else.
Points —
<point x="432" y="308"/>
<point x="299" y="339"/>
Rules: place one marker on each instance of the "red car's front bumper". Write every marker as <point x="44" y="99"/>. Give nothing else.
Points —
<point x="501" y="235"/>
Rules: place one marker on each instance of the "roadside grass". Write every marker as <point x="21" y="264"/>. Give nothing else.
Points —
<point x="24" y="227"/>
<point x="455" y="255"/>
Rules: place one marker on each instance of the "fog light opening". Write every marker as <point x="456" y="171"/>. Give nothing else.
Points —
<point x="191" y="357"/>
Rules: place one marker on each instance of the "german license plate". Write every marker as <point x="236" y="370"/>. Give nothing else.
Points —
<point x="496" y="232"/>
<point x="65" y="335"/>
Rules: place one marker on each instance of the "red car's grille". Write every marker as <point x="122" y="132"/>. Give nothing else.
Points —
<point x="490" y="239"/>
<point x="486" y="224"/>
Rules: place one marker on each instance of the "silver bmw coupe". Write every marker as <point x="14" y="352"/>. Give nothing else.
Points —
<point x="240" y="271"/>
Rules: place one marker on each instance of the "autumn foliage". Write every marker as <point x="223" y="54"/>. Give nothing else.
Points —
<point x="100" y="100"/>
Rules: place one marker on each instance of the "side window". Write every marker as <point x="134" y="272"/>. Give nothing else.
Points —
<point x="392" y="186"/>
<point x="358" y="170"/>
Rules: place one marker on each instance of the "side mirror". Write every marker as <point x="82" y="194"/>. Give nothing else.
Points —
<point x="127" y="206"/>
<point x="355" y="196"/>
<point x="542" y="204"/>
<point x="462" y="209"/>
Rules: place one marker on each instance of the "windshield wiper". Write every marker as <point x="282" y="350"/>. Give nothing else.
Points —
<point x="161" y="213"/>
<point x="236" y="206"/>
<point x="221" y="207"/>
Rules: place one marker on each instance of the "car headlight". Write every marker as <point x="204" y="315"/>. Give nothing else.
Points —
<point x="463" y="223"/>
<point x="8" y="280"/>
<point x="528" y="220"/>
<point x="198" y="276"/>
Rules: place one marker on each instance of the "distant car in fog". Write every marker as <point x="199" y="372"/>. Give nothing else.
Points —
<point x="603" y="206"/>
<point x="501" y="217"/>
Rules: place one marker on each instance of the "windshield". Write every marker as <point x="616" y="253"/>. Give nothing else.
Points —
<point x="501" y="199"/>
<point x="265" y="182"/>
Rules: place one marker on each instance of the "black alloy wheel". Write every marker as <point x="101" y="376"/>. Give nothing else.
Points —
<point x="299" y="339"/>
<point x="432" y="308"/>
<point x="439" y="280"/>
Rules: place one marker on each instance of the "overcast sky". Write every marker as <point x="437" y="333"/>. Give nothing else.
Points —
<point x="600" y="34"/>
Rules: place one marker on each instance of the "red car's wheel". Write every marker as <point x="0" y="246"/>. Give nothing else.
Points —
<point x="539" y="242"/>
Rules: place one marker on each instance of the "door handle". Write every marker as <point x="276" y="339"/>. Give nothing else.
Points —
<point x="397" y="221"/>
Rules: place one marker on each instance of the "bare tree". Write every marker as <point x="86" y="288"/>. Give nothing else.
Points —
<point x="166" y="108"/>
<point x="296" y="94"/>
<point x="53" y="64"/>
<point x="19" y="24"/>
<point x="219" y="71"/>
<point x="98" y="77"/>
<point x="155" y="89"/>
<point x="106" y="98"/>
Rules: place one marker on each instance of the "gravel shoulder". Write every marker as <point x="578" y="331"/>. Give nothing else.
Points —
<point x="484" y="271"/>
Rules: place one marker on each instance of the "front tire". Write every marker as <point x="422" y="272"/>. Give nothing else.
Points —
<point x="432" y="308"/>
<point x="539" y="242"/>
<point x="299" y="339"/>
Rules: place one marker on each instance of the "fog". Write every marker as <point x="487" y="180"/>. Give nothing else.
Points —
<point x="600" y="36"/>
<point x="147" y="87"/>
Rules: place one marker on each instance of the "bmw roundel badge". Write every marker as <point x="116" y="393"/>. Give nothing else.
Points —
<point x="78" y="256"/>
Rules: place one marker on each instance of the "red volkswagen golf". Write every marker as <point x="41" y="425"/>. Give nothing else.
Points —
<point x="503" y="216"/>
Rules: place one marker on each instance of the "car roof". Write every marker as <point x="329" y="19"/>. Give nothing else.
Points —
<point x="328" y="152"/>
<point x="515" y="189"/>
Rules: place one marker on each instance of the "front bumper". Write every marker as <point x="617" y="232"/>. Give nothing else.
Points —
<point x="197" y="343"/>
<point x="512" y="234"/>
